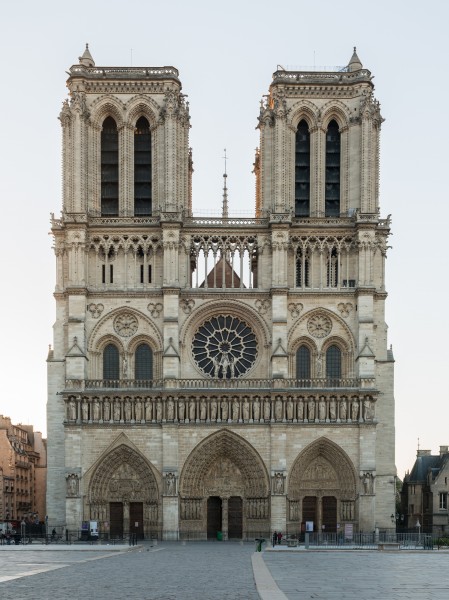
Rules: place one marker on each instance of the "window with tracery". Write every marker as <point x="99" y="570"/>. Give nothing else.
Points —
<point x="142" y="169"/>
<point x="143" y="362"/>
<point x="109" y="168"/>
<point x="302" y="274"/>
<point x="111" y="362"/>
<point x="332" y="184"/>
<point x="224" y="347"/>
<point x="333" y="362"/>
<point x="303" y="363"/>
<point x="302" y="170"/>
<point x="332" y="268"/>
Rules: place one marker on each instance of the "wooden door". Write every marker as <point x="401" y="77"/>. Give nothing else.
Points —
<point x="235" y="518"/>
<point x="213" y="516"/>
<point x="309" y="510"/>
<point x="116" y="520"/>
<point x="329" y="514"/>
<point x="136" y="519"/>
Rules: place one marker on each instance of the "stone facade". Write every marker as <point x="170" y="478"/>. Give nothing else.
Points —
<point x="23" y="472"/>
<point x="220" y="374"/>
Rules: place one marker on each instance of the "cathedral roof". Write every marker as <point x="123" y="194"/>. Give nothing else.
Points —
<point x="86" y="59"/>
<point x="355" y="63"/>
<point x="215" y="276"/>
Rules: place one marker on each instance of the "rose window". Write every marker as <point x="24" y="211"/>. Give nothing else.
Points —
<point x="224" y="347"/>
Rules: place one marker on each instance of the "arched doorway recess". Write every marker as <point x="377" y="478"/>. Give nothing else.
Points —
<point x="224" y="482"/>
<point x="322" y="489"/>
<point x="124" y="495"/>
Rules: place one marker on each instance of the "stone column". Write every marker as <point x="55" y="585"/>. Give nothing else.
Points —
<point x="224" y="517"/>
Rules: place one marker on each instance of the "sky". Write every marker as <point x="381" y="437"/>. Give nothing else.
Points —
<point x="226" y="53"/>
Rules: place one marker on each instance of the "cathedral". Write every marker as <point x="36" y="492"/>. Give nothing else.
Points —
<point x="220" y="376"/>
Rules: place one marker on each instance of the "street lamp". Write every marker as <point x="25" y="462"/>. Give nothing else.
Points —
<point x="418" y="525"/>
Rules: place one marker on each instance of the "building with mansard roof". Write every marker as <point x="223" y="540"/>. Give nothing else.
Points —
<point x="220" y="374"/>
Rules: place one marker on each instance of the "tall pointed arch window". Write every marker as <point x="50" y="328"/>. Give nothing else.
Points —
<point x="332" y="268"/>
<point x="332" y="187"/>
<point x="111" y="362"/>
<point x="143" y="361"/>
<point x="302" y="273"/>
<point x="303" y="363"/>
<point x="333" y="362"/>
<point x="109" y="168"/>
<point x="142" y="168"/>
<point x="302" y="170"/>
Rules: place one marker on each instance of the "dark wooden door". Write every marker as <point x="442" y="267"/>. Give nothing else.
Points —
<point x="235" y="518"/>
<point x="309" y="510"/>
<point x="116" y="519"/>
<point x="213" y="516"/>
<point x="329" y="514"/>
<point x="136" y="519"/>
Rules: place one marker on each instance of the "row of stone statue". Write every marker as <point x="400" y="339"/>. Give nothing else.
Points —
<point x="347" y="510"/>
<point x="213" y="409"/>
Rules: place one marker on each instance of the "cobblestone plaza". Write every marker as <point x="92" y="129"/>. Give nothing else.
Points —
<point x="215" y="571"/>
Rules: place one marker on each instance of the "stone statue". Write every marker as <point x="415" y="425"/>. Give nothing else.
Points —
<point x="279" y="483"/>
<point x="170" y="481"/>
<point x="322" y="409"/>
<point x="367" y="483"/>
<point x="289" y="409"/>
<point x="181" y="409"/>
<point x="203" y="409"/>
<point x="159" y="410"/>
<point x="224" y="410"/>
<point x="300" y="410"/>
<point x="117" y="410"/>
<point x="85" y="410"/>
<point x="125" y="368"/>
<point x="106" y="410"/>
<point x="127" y="410"/>
<point x="332" y="409"/>
<point x="72" y="485"/>
<point x="266" y="409"/>
<point x="355" y="409"/>
<point x="72" y="410"/>
<point x="368" y="409"/>
<point x="278" y="409"/>
<point x="170" y="409"/>
<point x="311" y="408"/>
<point x="192" y="409"/>
<point x="343" y="415"/>
<point x="96" y="410"/>
<point x="235" y="409"/>
<point x="138" y="410"/>
<point x="256" y="409"/>
<point x="148" y="410"/>
<point x="245" y="409"/>
<point x="213" y="410"/>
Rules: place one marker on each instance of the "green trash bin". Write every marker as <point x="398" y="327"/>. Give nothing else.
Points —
<point x="220" y="536"/>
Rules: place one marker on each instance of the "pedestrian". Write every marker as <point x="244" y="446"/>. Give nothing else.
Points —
<point x="275" y="538"/>
<point x="279" y="538"/>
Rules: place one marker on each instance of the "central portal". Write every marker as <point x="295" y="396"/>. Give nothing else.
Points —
<point x="235" y="518"/>
<point x="214" y="517"/>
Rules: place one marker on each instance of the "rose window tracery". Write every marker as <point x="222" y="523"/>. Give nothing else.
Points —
<point x="319" y="326"/>
<point x="224" y="347"/>
<point x="126" y="324"/>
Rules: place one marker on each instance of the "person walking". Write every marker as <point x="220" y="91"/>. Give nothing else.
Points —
<point x="275" y="538"/>
<point x="279" y="538"/>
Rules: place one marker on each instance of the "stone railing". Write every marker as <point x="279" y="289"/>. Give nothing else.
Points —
<point x="225" y="222"/>
<point x="220" y="384"/>
<point x="122" y="407"/>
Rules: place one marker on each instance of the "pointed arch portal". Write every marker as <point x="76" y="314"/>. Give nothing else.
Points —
<point x="224" y="489"/>
<point x="124" y="494"/>
<point x="322" y="488"/>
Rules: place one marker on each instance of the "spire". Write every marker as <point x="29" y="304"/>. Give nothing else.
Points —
<point x="225" y="209"/>
<point x="86" y="59"/>
<point x="354" y="63"/>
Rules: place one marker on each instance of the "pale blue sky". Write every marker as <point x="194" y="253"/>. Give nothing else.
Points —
<point x="226" y="53"/>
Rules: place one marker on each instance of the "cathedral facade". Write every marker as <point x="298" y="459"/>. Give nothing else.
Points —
<point x="220" y="374"/>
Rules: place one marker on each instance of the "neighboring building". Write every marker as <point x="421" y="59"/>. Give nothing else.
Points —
<point x="425" y="493"/>
<point x="23" y="468"/>
<point x="220" y="374"/>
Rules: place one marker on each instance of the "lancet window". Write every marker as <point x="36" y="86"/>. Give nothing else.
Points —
<point x="332" y="187"/>
<point x="142" y="169"/>
<point x="303" y="363"/>
<point x="302" y="274"/>
<point x="109" y="168"/>
<point x="333" y="362"/>
<point x="302" y="170"/>
<point x="111" y="362"/>
<point x="332" y="268"/>
<point x="143" y="362"/>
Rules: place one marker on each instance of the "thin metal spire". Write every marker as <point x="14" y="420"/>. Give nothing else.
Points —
<point x="225" y="209"/>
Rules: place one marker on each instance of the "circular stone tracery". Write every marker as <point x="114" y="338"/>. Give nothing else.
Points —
<point x="319" y="326"/>
<point x="224" y="347"/>
<point x="126" y="324"/>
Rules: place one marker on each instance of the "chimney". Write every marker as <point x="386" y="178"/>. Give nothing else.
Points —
<point x="444" y="450"/>
<point x="424" y="453"/>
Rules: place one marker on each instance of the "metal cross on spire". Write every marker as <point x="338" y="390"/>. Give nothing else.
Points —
<point x="225" y="209"/>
